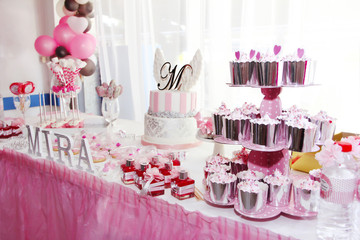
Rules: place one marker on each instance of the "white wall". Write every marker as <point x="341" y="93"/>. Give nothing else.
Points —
<point x="21" y="22"/>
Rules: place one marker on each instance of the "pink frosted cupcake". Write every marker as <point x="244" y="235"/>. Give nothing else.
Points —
<point x="217" y="160"/>
<point x="250" y="175"/>
<point x="279" y="189"/>
<point x="325" y="126"/>
<point x="218" y="118"/>
<point x="252" y="197"/>
<point x="265" y="131"/>
<point x="315" y="175"/>
<point x="222" y="188"/>
<point x="239" y="162"/>
<point x="306" y="195"/>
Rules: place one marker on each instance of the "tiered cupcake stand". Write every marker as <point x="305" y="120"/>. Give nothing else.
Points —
<point x="270" y="77"/>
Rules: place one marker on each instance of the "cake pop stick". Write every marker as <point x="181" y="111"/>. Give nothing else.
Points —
<point x="56" y="112"/>
<point x="51" y="109"/>
<point x="41" y="120"/>
<point x="73" y="105"/>
<point x="77" y="107"/>
<point x="43" y="98"/>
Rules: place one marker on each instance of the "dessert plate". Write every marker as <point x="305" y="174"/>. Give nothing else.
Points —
<point x="268" y="212"/>
<point x="210" y="202"/>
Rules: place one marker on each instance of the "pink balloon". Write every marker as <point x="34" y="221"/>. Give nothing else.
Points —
<point x="67" y="12"/>
<point x="45" y="45"/>
<point x="82" y="46"/>
<point x="63" y="19"/>
<point x="63" y="35"/>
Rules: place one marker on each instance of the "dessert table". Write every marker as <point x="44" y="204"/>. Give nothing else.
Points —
<point x="41" y="199"/>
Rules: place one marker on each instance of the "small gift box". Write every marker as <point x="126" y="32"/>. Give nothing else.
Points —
<point x="154" y="182"/>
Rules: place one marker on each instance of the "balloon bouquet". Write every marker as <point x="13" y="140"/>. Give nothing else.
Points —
<point x="69" y="50"/>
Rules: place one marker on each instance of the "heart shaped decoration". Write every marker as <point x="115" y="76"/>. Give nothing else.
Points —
<point x="252" y="53"/>
<point x="18" y="88"/>
<point x="277" y="49"/>
<point x="300" y="52"/>
<point x="77" y="24"/>
<point x="28" y="87"/>
<point x="237" y="55"/>
<point x="15" y="88"/>
<point x="258" y="56"/>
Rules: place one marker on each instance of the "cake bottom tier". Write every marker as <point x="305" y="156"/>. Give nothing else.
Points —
<point x="170" y="131"/>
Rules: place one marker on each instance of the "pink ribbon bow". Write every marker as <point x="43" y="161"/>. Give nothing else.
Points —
<point x="154" y="174"/>
<point x="204" y="124"/>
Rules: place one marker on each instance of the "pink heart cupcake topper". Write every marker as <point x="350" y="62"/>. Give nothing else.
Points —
<point x="237" y="55"/>
<point x="258" y="56"/>
<point x="277" y="49"/>
<point x="252" y="53"/>
<point x="300" y="52"/>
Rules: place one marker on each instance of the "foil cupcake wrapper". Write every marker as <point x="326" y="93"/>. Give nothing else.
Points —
<point x="279" y="196"/>
<point x="218" y="123"/>
<point x="237" y="167"/>
<point x="265" y="134"/>
<point x="267" y="74"/>
<point x="298" y="73"/>
<point x="325" y="130"/>
<point x="253" y="203"/>
<point x="242" y="73"/>
<point x="226" y="131"/>
<point x="300" y="139"/>
<point x="222" y="193"/>
<point x="306" y="200"/>
<point x="240" y="129"/>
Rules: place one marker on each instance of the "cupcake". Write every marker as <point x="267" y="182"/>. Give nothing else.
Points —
<point x="325" y="127"/>
<point x="252" y="197"/>
<point x="237" y="126"/>
<point x="239" y="162"/>
<point x="279" y="189"/>
<point x="211" y="169"/>
<point x="297" y="70"/>
<point x="250" y="175"/>
<point x="242" y="70"/>
<point x="217" y="160"/>
<point x="315" y="174"/>
<point x="222" y="187"/>
<point x="264" y="131"/>
<point x="218" y="118"/>
<point x="300" y="134"/>
<point x="250" y="110"/>
<point x="306" y="195"/>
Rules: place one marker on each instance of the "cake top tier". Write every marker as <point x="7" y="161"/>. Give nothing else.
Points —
<point x="168" y="78"/>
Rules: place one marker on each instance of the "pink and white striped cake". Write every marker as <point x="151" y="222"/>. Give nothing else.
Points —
<point x="170" y="122"/>
<point x="172" y="103"/>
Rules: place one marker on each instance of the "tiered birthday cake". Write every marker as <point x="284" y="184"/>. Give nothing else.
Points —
<point x="170" y="119"/>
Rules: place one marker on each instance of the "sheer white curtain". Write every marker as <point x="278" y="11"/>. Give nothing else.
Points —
<point x="329" y="31"/>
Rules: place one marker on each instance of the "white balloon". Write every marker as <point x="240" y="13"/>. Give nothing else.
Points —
<point x="77" y="24"/>
<point x="59" y="8"/>
<point x="81" y="1"/>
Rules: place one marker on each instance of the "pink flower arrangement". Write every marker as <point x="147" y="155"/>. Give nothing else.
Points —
<point x="204" y="124"/>
<point x="330" y="154"/>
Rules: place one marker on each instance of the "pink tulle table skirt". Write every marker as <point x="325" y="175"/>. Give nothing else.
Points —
<point x="41" y="199"/>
